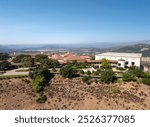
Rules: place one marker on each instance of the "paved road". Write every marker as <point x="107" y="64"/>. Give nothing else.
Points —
<point x="13" y="72"/>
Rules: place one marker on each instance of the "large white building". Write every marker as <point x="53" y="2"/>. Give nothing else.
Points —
<point x="122" y="59"/>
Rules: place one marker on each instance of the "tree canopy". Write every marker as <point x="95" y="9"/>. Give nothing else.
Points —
<point x="40" y="78"/>
<point x="45" y="61"/>
<point x="4" y="56"/>
<point x="4" y="65"/>
<point x="68" y="72"/>
<point x="27" y="61"/>
<point x="105" y="64"/>
<point x="19" y="58"/>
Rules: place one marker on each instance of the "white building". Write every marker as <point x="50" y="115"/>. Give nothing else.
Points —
<point x="122" y="59"/>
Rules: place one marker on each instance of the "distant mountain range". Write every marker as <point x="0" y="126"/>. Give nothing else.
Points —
<point x="136" y="47"/>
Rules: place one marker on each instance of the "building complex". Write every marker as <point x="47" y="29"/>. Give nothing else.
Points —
<point x="121" y="59"/>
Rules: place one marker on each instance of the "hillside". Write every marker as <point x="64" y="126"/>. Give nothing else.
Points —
<point x="74" y="94"/>
<point x="137" y="48"/>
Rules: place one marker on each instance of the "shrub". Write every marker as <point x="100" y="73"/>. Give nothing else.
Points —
<point x="42" y="99"/>
<point x="38" y="84"/>
<point x="146" y="78"/>
<point x="54" y="70"/>
<point x="99" y="70"/>
<point x="81" y="72"/>
<point x="135" y="71"/>
<point x="88" y="73"/>
<point x="27" y="81"/>
<point x="96" y="81"/>
<point x="108" y="76"/>
<point x="87" y="79"/>
<point x="146" y="81"/>
<point x="96" y="73"/>
<point x="128" y="77"/>
<point x="68" y="72"/>
<point x="40" y="78"/>
<point x="120" y="68"/>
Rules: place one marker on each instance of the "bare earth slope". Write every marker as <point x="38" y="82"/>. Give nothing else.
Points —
<point x="74" y="94"/>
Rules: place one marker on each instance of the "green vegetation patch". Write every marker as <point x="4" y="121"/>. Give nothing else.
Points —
<point x="12" y="76"/>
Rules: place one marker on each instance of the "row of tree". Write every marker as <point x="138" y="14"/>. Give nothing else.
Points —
<point x="28" y="61"/>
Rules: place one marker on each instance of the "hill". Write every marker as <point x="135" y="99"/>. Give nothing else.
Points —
<point x="136" y="48"/>
<point x="74" y="94"/>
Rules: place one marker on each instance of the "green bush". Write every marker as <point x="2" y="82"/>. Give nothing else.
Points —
<point x="108" y="76"/>
<point x="88" y="73"/>
<point x="40" y="78"/>
<point x="96" y="73"/>
<point x="96" y="81"/>
<point x="68" y="72"/>
<point x="128" y="77"/>
<point x="42" y="99"/>
<point x="87" y="79"/>
<point x="38" y="84"/>
<point x="81" y="72"/>
<point x="146" y="81"/>
<point x="146" y="78"/>
<point x="136" y="71"/>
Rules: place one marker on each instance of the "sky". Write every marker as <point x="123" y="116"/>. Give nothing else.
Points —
<point x="73" y="21"/>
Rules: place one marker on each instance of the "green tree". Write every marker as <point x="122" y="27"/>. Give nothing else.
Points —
<point x="68" y="72"/>
<point x="105" y="64"/>
<point x="45" y="61"/>
<point x="27" y="62"/>
<point x="42" y="71"/>
<point x="40" y="78"/>
<point x="40" y="57"/>
<point x="4" y="65"/>
<point x="19" y="58"/>
<point x="53" y="63"/>
<point x="108" y="76"/>
<point x="38" y="84"/>
<point x="4" y="56"/>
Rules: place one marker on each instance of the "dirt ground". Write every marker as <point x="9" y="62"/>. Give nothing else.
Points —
<point x="73" y="94"/>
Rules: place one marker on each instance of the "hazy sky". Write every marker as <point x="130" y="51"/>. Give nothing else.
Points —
<point x="73" y="21"/>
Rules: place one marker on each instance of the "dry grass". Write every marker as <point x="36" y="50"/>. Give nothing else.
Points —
<point x="74" y="94"/>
